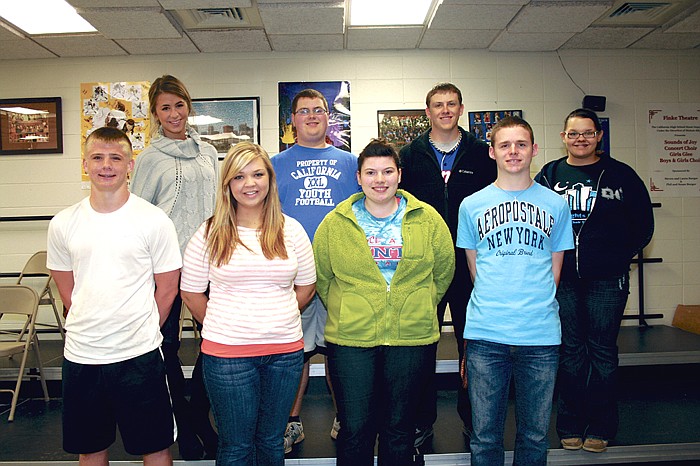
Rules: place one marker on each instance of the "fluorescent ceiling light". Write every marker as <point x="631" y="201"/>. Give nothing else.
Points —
<point x="388" y="12"/>
<point x="43" y="16"/>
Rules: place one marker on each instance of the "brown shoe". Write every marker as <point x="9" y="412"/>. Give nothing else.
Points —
<point x="573" y="443"/>
<point x="595" y="445"/>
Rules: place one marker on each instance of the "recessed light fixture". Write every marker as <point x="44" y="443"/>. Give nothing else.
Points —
<point x="389" y="12"/>
<point x="44" y="16"/>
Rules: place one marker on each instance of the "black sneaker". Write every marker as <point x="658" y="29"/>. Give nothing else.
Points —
<point x="190" y="447"/>
<point x="423" y="434"/>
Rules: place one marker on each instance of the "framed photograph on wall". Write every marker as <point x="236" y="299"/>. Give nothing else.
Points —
<point x="224" y="122"/>
<point x="401" y="127"/>
<point x="31" y="126"/>
<point x="480" y="123"/>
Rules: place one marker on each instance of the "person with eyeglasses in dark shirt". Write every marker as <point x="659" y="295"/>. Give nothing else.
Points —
<point x="612" y="221"/>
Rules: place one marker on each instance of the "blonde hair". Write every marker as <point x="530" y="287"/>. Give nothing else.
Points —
<point x="221" y="231"/>
<point x="109" y="135"/>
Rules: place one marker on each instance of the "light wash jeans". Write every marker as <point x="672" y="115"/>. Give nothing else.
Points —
<point x="251" y="398"/>
<point x="489" y="370"/>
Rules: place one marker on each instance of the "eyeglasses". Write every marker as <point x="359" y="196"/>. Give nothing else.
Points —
<point x="585" y="134"/>
<point x="309" y="111"/>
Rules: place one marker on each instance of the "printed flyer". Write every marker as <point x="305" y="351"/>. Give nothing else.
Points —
<point x="673" y="134"/>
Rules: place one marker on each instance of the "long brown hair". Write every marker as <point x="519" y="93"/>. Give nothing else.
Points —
<point x="221" y="231"/>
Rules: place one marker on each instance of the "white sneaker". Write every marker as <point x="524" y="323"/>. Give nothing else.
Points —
<point x="293" y="435"/>
<point x="335" y="429"/>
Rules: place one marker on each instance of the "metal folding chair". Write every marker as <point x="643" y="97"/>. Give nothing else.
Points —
<point x="21" y="302"/>
<point x="36" y="275"/>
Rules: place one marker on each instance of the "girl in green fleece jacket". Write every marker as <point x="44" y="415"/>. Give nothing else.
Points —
<point x="383" y="259"/>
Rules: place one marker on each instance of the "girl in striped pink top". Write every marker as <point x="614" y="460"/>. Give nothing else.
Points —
<point x="259" y="268"/>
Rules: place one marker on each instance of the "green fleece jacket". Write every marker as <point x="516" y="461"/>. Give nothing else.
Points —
<point x="362" y="310"/>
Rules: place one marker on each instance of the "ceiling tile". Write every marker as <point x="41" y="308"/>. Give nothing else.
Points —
<point x="138" y="27"/>
<point x="667" y="41"/>
<point x="473" y="16"/>
<point x="532" y="42"/>
<point x="690" y="23"/>
<point x="485" y="2"/>
<point x="557" y="16"/>
<point x="80" y="45"/>
<point x="606" y="38"/>
<point x="195" y="4"/>
<point x="158" y="46"/>
<point x="112" y="3"/>
<point x="16" y="48"/>
<point x="244" y="40"/>
<point x="303" y="18"/>
<point x="7" y="35"/>
<point x="290" y="2"/>
<point x="383" y="38"/>
<point x="131" y="23"/>
<point x="458" y="39"/>
<point x="303" y="42"/>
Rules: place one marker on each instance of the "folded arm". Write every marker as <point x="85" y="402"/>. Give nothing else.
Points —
<point x="64" y="283"/>
<point x="166" y="290"/>
<point x="304" y="294"/>
<point x="196" y="303"/>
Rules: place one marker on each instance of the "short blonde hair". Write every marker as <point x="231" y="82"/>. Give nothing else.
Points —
<point x="110" y="135"/>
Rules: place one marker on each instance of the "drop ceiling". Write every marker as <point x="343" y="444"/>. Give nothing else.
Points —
<point x="140" y="27"/>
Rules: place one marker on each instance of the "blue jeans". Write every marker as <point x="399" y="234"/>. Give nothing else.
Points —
<point x="376" y="390"/>
<point x="591" y="313"/>
<point x="251" y="398"/>
<point x="489" y="369"/>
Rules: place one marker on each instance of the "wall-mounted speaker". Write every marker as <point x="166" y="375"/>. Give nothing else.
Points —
<point x="594" y="102"/>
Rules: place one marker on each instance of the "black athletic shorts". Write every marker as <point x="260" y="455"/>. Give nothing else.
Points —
<point x="131" y="394"/>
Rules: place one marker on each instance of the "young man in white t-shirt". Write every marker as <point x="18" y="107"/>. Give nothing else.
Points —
<point x="116" y="262"/>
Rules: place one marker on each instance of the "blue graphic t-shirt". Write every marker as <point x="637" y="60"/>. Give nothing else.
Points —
<point x="383" y="236"/>
<point x="311" y="182"/>
<point x="514" y="235"/>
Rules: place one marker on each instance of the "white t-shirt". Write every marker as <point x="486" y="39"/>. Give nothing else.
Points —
<point x="113" y="257"/>
<point x="251" y="299"/>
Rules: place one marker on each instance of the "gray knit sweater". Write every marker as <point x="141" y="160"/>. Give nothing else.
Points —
<point x="180" y="177"/>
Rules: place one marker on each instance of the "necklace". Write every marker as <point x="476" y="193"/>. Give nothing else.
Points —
<point x="445" y="147"/>
<point x="515" y="193"/>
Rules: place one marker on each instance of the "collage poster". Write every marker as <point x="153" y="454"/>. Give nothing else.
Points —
<point x="122" y="105"/>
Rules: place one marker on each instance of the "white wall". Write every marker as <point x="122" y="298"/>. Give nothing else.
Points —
<point x="534" y="82"/>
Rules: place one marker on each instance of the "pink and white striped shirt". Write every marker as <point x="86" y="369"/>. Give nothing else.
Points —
<point x="251" y="299"/>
